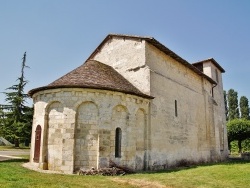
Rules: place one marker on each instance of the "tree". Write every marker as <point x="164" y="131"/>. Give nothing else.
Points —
<point x="17" y="117"/>
<point x="1" y="121"/>
<point x="225" y="102"/>
<point x="233" y="110"/>
<point x="238" y="129"/>
<point x="244" y="107"/>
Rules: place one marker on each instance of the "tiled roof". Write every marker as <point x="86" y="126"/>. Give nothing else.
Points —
<point x="158" y="45"/>
<point x="95" y="75"/>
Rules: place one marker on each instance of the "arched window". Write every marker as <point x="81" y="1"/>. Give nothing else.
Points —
<point x="118" y="142"/>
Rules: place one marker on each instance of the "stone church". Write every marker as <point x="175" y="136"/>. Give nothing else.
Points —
<point x="133" y="102"/>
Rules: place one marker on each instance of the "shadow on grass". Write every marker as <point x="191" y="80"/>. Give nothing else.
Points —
<point x="233" y="161"/>
<point x="15" y="161"/>
<point x="169" y="170"/>
<point x="188" y="167"/>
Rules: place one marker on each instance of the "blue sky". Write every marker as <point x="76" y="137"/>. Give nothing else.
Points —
<point x="58" y="35"/>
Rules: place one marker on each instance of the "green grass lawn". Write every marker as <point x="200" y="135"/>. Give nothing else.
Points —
<point x="13" y="175"/>
<point x="223" y="175"/>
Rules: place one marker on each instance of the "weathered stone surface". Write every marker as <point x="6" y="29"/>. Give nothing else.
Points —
<point x="90" y="143"/>
<point x="185" y="122"/>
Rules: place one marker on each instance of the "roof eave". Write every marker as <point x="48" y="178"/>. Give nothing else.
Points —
<point x="33" y="91"/>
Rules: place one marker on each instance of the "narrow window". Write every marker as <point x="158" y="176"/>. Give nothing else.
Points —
<point x="175" y="105"/>
<point x="118" y="140"/>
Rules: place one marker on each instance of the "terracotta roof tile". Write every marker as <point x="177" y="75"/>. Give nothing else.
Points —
<point x="95" y="75"/>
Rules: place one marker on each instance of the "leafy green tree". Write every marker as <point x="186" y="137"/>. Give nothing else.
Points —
<point x="244" y="107"/>
<point x="1" y="121"/>
<point x="238" y="129"/>
<point x="225" y="102"/>
<point x="17" y="117"/>
<point x="233" y="109"/>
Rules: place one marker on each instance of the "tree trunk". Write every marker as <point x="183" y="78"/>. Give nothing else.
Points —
<point x="17" y="143"/>
<point x="239" y="146"/>
<point x="229" y="146"/>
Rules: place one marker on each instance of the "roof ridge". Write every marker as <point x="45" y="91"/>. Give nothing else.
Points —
<point x="132" y="36"/>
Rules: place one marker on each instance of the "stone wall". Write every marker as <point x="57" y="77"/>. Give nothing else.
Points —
<point x="186" y="120"/>
<point x="79" y="127"/>
<point x="128" y="58"/>
<point x="86" y="135"/>
<point x="219" y="109"/>
<point x="55" y="131"/>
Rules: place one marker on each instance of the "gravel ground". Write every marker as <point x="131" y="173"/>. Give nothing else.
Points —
<point x="13" y="154"/>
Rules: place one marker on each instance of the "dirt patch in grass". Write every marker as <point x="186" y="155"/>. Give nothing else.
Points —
<point x="140" y="183"/>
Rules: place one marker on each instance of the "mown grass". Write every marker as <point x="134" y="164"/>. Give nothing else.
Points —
<point x="13" y="175"/>
<point x="229" y="174"/>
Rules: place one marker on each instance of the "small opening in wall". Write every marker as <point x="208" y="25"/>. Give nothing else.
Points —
<point x="118" y="139"/>
<point x="175" y="105"/>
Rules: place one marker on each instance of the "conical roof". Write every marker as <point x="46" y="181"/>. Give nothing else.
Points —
<point x="96" y="75"/>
